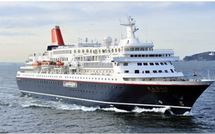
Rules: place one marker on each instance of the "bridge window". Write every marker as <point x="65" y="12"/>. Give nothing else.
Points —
<point x="154" y="71"/>
<point x="136" y="49"/>
<point x="145" y="64"/>
<point x="152" y="64"/>
<point x="126" y="71"/>
<point x="147" y="72"/>
<point x="125" y="64"/>
<point x="136" y="71"/>
<point x="139" y="64"/>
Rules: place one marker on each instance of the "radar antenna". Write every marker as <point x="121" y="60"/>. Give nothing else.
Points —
<point x="131" y="28"/>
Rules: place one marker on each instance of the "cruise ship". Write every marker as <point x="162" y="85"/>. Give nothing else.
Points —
<point x="125" y="74"/>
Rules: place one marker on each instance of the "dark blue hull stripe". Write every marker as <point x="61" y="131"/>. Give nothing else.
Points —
<point x="104" y="102"/>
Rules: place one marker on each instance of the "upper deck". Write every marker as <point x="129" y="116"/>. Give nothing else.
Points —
<point x="128" y="58"/>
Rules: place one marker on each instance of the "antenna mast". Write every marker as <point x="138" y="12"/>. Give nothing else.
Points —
<point x="130" y="28"/>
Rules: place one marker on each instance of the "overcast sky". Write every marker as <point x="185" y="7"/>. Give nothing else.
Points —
<point x="186" y="27"/>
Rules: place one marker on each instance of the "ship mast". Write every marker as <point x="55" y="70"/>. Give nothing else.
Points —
<point x="130" y="28"/>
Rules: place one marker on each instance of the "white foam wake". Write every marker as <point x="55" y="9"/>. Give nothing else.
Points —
<point x="156" y="110"/>
<point x="32" y="102"/>
<point x="114" y="109"/>
<point x="74" y="107"/>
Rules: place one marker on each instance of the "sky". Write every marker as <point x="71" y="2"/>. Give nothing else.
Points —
<point x="185" y="27"/>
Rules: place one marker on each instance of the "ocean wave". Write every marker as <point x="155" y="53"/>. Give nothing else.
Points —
<point x="32" y="102"/>
<point x="75" y="107"/>
<point x="155" y="110"/>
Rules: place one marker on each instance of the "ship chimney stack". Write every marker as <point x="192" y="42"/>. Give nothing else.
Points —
<point x="57" y="38"/>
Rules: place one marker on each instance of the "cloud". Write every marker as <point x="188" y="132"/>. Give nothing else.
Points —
<point x="16" y="33"/>
<point x="169" y="24"/>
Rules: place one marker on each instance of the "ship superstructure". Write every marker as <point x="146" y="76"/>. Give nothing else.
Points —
<point x="125" y="74"/>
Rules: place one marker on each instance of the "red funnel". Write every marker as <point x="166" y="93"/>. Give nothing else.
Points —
<point x="57" y="38"/>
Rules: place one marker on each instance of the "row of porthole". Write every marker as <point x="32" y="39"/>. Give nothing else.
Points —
<point x="80" y="78"/>
<point x="88" y="78"/>
<point x="43" y="82"/>
<point x="88" y="51"/>
<point x="49" y="76"/>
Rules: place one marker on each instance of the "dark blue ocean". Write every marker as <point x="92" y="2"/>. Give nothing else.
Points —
<point x="30" y="115"/>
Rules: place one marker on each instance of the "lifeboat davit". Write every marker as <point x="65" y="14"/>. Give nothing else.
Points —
<point x="36" y="63"/>
<point x="45" y="63"/>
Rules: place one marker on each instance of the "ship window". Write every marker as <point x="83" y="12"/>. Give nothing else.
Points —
<point x="135" y="55"/>
<point x="171" y="70"/>
<point x="166" y="71"/>
<point x="139" y="55"/>
<point x="74" y="51"/>
<point x="78" y="51"/>
<point x="147" y="71"/>
<point x="125" y="64"/>
<point x="154" y="71"/>
<point x="156" y="63"/>
<point x="151" y="64"/>
<point x="160" y="71"/>
<point x="136" y="71"/>
<point x="139" y="64"/>
<point x="132" y="49"/>
<point x="143" y="72"/>
<point x="131" y="55"/>
<point x="170" y="62"/>
<point x="161" y="63"/>
<point x="145" y="64"/>
<point x="165" y="63"/>
<point x="136" y="49"/>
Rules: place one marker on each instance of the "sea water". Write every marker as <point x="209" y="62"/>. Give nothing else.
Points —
<point x="25" y="114"/>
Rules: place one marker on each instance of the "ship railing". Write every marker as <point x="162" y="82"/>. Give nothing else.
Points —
<point x="99" y="65"/>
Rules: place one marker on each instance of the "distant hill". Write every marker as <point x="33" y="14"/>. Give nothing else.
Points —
<point x="205" y="56"/>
